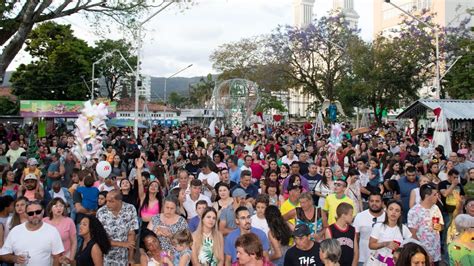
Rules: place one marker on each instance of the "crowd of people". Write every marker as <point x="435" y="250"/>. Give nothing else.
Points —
<point x="285" y="196"/>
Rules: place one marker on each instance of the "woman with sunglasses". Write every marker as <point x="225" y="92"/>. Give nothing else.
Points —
<point x="389" y="235"/>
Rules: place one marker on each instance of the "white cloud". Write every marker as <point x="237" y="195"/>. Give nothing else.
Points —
<point x="175" y="39"/>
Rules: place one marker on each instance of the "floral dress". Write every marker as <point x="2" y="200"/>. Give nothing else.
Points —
<point x="174" y="228"/>
<point x="206" y="254"/>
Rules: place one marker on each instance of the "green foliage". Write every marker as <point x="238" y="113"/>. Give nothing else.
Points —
<point x="385" y="72"/>
<point x="114" y="69"/>
<point x="247" y="59"/>
<point x="176" y="100"/>
<point x="8" y="107"/>
<point x="202" y="91"/>
<point x="460" y="79"/>
<point x="269" y="102"/>
<point x="60" y="62"/>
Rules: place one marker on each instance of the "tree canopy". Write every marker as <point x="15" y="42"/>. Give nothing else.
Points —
<point x="18" y="18"/>
<point x="61" y="61"/>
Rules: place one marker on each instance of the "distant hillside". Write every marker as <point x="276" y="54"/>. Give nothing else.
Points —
<point x="175" y="84"/>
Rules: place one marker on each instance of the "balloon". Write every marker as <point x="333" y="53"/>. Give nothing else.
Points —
<point x="103" y="169"/>
<point x="277" y="118"/>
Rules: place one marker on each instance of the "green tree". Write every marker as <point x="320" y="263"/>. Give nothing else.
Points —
<point x="247" y="59"/>
<point x="269" y="102"/>
<point x="17" y="18"/>
<point x="60" y="62"/>
<point x="314" y="57"/>
<point x="8" y="107"/>
<point x="460" y="80"/>
<point x="384" y="73"/>
<point x="176" y="100"/>
<point x="115" y="71"/>
<point x="201" y="92"/>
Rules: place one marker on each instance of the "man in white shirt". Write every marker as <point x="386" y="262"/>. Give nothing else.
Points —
<point x="33" y="242"/>
<point x="247" y="162"/>
<point x="14" y="152"/>
<point x="365" y="221"/>
<point x="209" y="179"/>
<point x="193" y="197"/>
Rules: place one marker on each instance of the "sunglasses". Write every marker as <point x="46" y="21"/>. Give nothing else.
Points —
<point x="37" y="212"/>
<point x="374" y="221"/>
<point x="338" y="184"/>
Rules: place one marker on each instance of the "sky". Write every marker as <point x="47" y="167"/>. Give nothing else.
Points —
<point x="176" y="38"/>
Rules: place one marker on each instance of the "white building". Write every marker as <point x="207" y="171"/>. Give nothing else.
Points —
<point x="145" y="90"/>
<point x="297" y="102"/>
<point x="448" y="12"/>
<point x="303" y="12"/>
<point x="347" y="8"/>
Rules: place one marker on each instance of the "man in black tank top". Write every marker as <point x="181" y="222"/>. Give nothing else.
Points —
<point x="345" y="234"/>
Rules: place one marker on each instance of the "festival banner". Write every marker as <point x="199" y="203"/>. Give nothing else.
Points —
<point x="64" y="109"/>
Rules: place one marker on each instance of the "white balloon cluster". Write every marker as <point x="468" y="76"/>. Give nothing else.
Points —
<point x="90" y="131"/>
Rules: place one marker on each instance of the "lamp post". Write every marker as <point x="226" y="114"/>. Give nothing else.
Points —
<point x="183" y="69"/>
<point x="137" y="72"/>
<point x="437" y="81"/>
<point x="106" y="55"/>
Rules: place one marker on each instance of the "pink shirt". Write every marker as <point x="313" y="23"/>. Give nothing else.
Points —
<point x="66" y="229"/>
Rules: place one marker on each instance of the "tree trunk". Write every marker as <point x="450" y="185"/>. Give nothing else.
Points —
<point x="14" y="46"/>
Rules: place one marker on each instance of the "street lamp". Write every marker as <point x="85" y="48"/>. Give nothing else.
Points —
<point x="106" y="55"/>
<point x="437" y="81"/>
<point x="137" y="72"/>
<point x="183" y="69"/>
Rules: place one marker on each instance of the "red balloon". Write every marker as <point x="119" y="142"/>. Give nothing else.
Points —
<point x="277" y="118"/>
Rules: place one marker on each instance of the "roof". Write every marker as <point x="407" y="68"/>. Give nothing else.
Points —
<point x="128" y="105"/>
<point x="452" y="109"/>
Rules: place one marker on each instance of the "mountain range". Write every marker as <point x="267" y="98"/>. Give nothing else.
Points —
<point x="180" y="85"/>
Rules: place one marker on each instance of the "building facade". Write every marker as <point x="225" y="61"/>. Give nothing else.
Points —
<point x="303" y="12"/>
<point x="145" y="90"/>
<point x="347" y="8"/>
<point x="448" y="12"/>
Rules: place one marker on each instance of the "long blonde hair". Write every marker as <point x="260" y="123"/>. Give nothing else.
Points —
<point x="217" y="238"/>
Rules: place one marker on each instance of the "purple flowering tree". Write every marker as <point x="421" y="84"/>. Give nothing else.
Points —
<point x="315" y="56"/>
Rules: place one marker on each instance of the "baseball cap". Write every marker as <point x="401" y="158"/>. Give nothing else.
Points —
<point x="32" y="161"/>
<point x="301" y="230"/>
<point x="238" y="192"/>
<point x="30" y="177"/>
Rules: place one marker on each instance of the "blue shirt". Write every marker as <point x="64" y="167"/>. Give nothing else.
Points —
<point x="405" y="189"/>
<point x="229" y="242"/>
<point x="193" y="223"/>
<point x="89" y="195"/>
<point x="234" y="175"/>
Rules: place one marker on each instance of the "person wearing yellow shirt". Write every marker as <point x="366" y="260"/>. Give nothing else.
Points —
<point x="32" y="168"/>
<point x="333" y="200"/>
<point x="288" y="208"/>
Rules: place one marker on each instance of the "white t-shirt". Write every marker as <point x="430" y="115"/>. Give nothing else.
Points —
<point x="39" y="244"/>
<point x="384" y="233"/>
<point x="260" y="224"/>
<point x="324" y="190"/>
<point x="363" y="223"/>
<point x="190" y="205"/>
<point x="104" y="187"/>
<point x="212" y="178"/>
